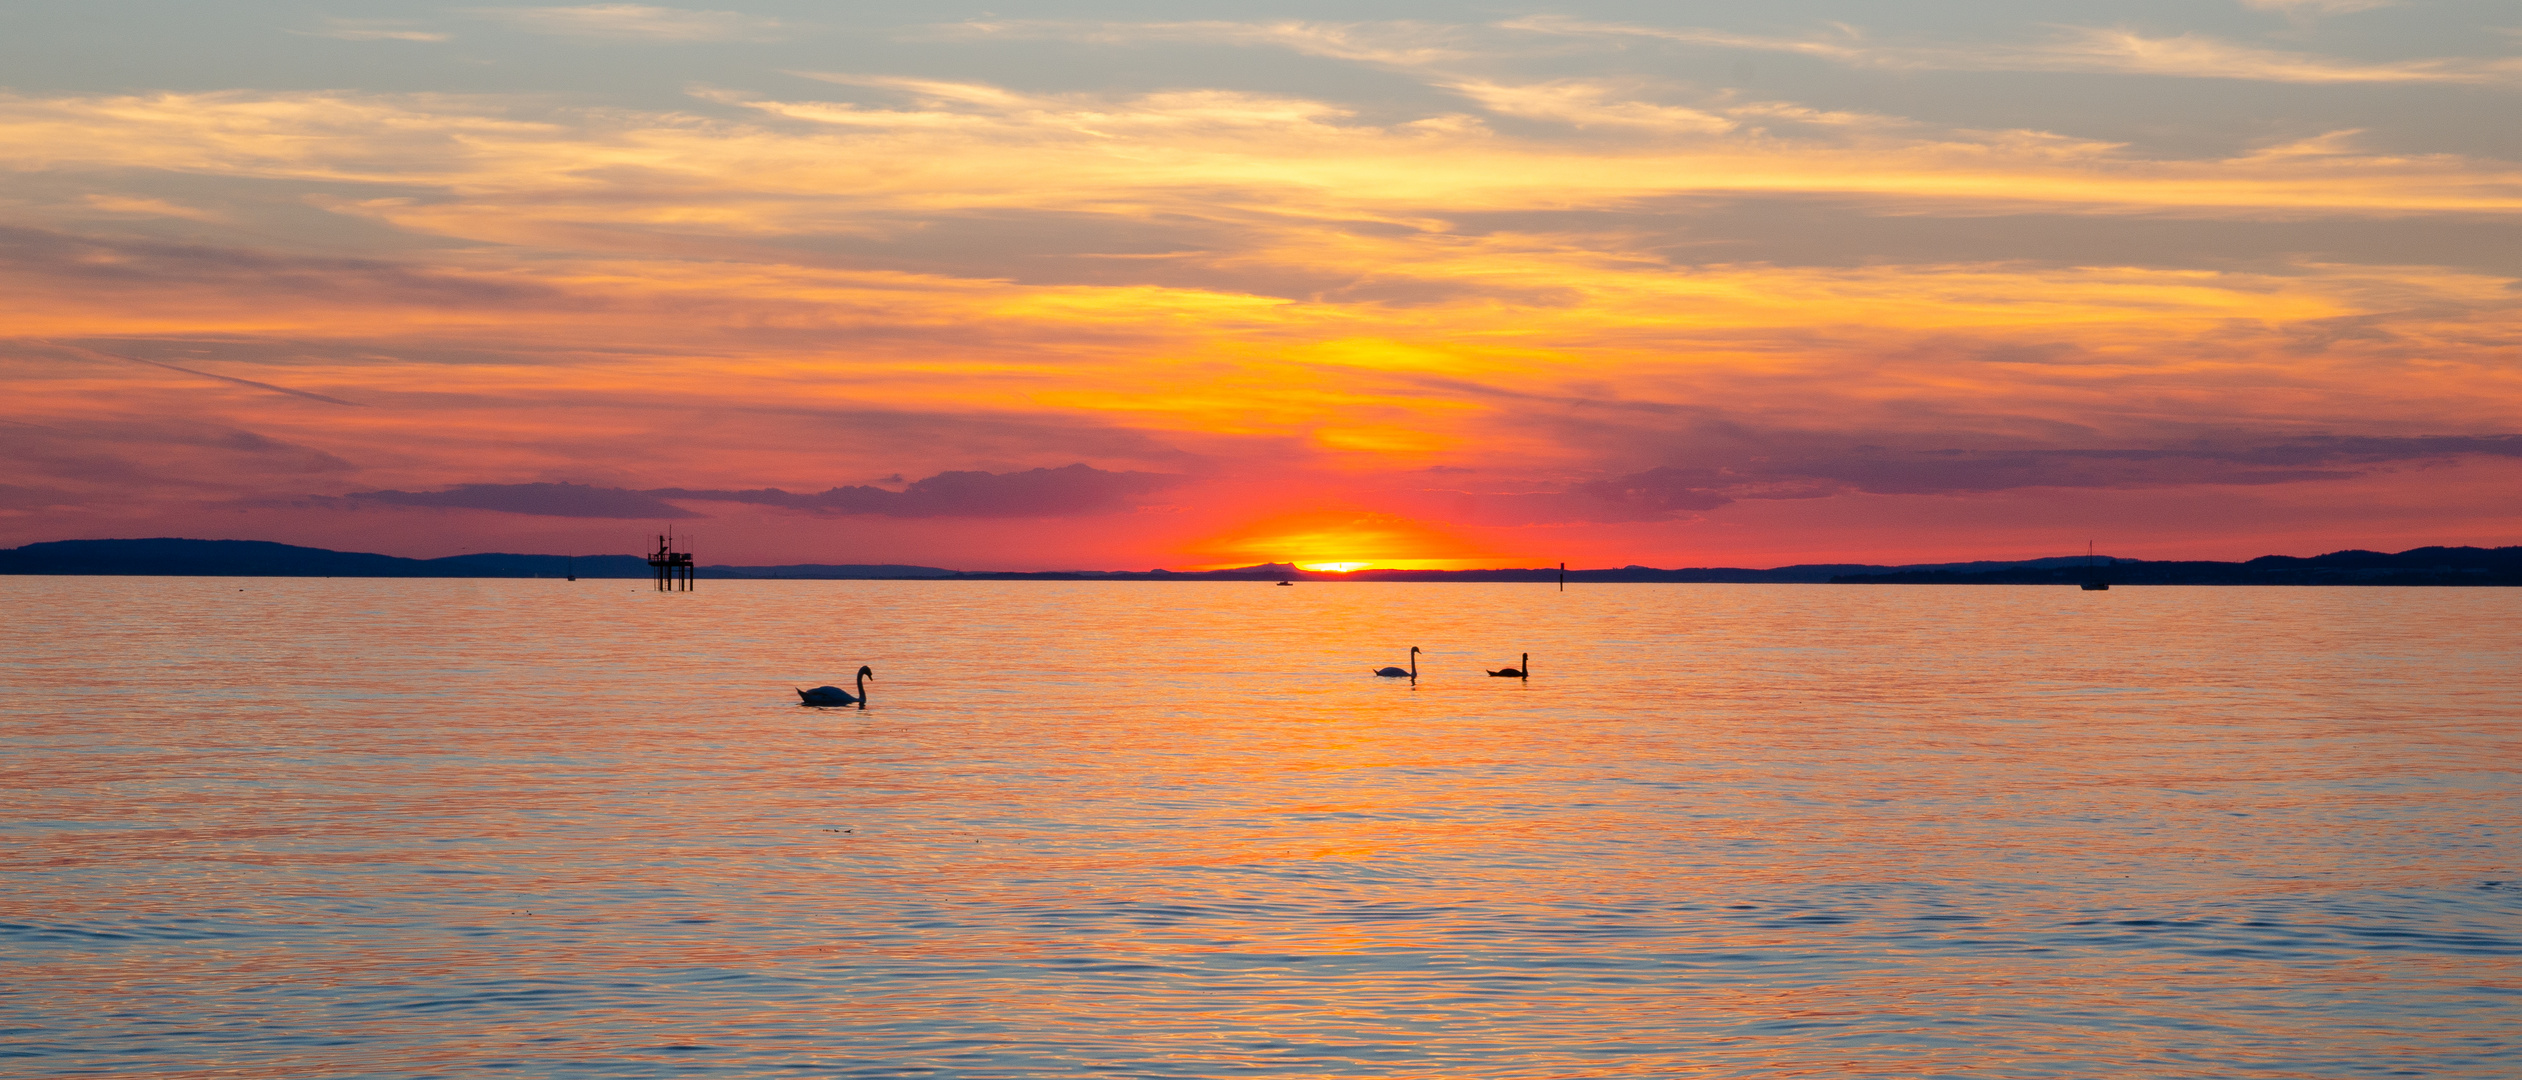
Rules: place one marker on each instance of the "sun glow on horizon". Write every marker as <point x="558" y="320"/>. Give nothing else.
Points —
<point x="1447" y="295"/>
<point x="1360" y="539"/>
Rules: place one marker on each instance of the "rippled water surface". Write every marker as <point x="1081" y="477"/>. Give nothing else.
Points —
<point x="291" y="828"/>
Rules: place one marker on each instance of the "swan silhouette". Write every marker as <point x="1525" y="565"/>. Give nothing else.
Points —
<point x="833" y="695"/>
<point x="1396" y="673"/>
<point x="1524" y="672"/>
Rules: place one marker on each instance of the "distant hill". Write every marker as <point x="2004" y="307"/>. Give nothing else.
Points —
<point x="2416" y="566"/>
<point x="257" y="558"/>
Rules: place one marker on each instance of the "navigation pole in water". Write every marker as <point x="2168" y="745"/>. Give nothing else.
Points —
<point x="1562" y="577"/>
<point x="673" y="568"/>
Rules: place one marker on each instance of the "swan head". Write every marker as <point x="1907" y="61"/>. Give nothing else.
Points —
<point x="1414" y="648"/>
<point x="866" y="672"/>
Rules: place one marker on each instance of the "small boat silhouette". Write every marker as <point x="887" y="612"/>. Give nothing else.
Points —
<point x="1287" y="583"/>
<point x="2092" y="575"/>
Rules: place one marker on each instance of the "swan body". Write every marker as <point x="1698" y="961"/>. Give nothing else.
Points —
<point x="833" y="695"/>
<point x="1524" y="672"/>
<point x="1411" y="674"/>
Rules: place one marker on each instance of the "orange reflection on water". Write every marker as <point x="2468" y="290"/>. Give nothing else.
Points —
<point x="1177" y="829"/>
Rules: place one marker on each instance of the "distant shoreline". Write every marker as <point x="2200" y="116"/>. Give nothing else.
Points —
<point x="178" y="557"/>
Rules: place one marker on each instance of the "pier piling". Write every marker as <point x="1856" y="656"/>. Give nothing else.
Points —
<point x="673" y="568"/>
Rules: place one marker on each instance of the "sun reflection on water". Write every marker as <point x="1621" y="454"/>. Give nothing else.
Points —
<point x="1179" y="831"/>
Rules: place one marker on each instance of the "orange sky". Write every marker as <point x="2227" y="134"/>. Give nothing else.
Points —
<point x="1830" y="283"/>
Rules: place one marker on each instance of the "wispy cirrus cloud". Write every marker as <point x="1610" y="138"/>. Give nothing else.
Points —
<point x="1401" y="44"/>
<point x="1070" y="491"/>
<point x="975" y="144"/>
<point x="1063" y="492"/>
<point x="1438" y="49"/>
<point x="307" y="394"/>
<point x="982" y="109"/>
<point x="373" y="30"/>
<point x="2199" y="56"/>
<point x="2319" y="7"/>
<point x="1813" y="465"/>
<point x="1591" y="104"/>
<point x="2078" y="49"/>
<point x="111" y="264"/>
<point x="143" y="205"/>
<point x="543" y="500"/>
<point x="160" y="454"/>
<point x="637" y="22"/>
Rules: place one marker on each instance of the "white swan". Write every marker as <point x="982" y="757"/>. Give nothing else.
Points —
<point x="833" y="695"/>
<point x="1396" y="673"/>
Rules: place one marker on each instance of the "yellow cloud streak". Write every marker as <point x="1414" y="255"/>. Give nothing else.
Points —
<point x="2073" y="49"/>
<point x="1281" y="156"/>
<point x="1346" y="378"/>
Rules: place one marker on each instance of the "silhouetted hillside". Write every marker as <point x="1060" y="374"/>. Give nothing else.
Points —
<point x="2416" y="566"/>
<point x="167" y="556"/>
<point x="257" y="558"/>
<point x="206" y="558"/>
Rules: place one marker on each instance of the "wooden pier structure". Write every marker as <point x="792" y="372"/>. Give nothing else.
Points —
<point x="673" y="568"/>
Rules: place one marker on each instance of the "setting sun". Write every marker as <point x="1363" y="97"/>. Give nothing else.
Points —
<point x="1333" y="567"/>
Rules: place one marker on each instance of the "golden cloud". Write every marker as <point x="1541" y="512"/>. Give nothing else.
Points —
<point x="1315" y="293"/>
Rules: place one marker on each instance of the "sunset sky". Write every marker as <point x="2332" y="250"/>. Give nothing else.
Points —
<point x="1035" y="285"/>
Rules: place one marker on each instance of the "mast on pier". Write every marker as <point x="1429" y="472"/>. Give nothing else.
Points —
<point x="673" y="568"/>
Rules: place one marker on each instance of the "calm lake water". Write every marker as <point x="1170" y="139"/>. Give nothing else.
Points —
<point x="295" y="828"/>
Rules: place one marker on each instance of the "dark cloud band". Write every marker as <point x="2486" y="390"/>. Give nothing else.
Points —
<point x="1075" y="490"/>
<point x="1065" y="492"/>
<point x="1666" y="492"/>
<point x="542" y="500"/>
